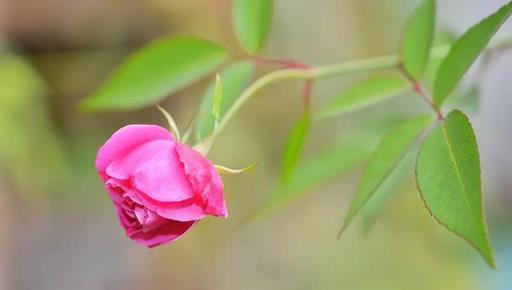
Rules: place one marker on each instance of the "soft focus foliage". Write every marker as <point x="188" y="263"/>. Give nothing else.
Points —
<point x="390" y="152"/>
<point x="251" y="20"/>
<point x="324" y="166"/>
<point x="295" y="143"/>
<point x="23" y="119"/>
<point x="160" y="69"/>
<point x="366" y="92"/>
<point x="417" y="39"/>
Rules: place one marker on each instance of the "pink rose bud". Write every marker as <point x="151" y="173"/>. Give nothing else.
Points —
<point x="160" y="188"/>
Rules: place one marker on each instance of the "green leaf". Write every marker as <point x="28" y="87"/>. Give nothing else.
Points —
<point x="389" y="187"/>
<point x="320" y="168"/>
<point x="234" y="79"/>
<point x="442" y="38"/>
<point x="464" y="52"/>
<point x="294" y="145"/>
<point x="251" y="20"/>
<point x="417" y="39"/>
<point x="155" y="72"/>
<point x="33" y="156"/>
<point x="448" y="178"/>
<point x="365" y="93"/>
<point x="393" y="147"/>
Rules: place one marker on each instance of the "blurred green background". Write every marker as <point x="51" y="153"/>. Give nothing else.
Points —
<point x="58" y="229"/>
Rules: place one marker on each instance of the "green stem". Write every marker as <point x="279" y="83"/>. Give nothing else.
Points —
<point x="321" y="72"/>
<point x="260" y="83"/>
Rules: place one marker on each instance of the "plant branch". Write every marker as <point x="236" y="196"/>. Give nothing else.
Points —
<point x="338" y="69"/>
<point x="284" y="63"/>
<point x="418" y="89"/>
<point x="428" y="99"/>
<point x="307" y="92"/>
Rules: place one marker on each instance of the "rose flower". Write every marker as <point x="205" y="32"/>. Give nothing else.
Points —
<point x="160" y="188"/>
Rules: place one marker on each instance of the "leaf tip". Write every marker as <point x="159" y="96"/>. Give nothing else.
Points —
<point x="342" y="230"/>
<point x="87" y="105"/>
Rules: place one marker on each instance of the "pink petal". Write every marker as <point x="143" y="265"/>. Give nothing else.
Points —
<point x="166" y="233"/>
<point x="162" y="231"/>
<point x="205" y="180"/>
<point x="162" y="177"/>
<point x="216" y="204"/>
<point x="185" y="210"/>
<point x="134" y="197"/>
<point x="116" y="189"/>
<point x="125" y="140"/>
<point x="126" y="222"/>
<point x="125" y="166"/>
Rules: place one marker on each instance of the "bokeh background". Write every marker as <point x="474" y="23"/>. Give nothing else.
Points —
<point x="57" y="226"/>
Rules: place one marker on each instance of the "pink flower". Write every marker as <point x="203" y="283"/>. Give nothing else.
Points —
<point x="160" y="188"/>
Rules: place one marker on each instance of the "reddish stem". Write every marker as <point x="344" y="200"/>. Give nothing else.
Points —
<point x="419" y="90"/>
<point x="416" y="87"/>
<point x="291" y="64"/>
<point x="284" y="63"/>
<point x="307" y="92"/>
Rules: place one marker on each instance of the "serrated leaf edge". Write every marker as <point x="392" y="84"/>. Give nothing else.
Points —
<point x="491" y="263"/>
